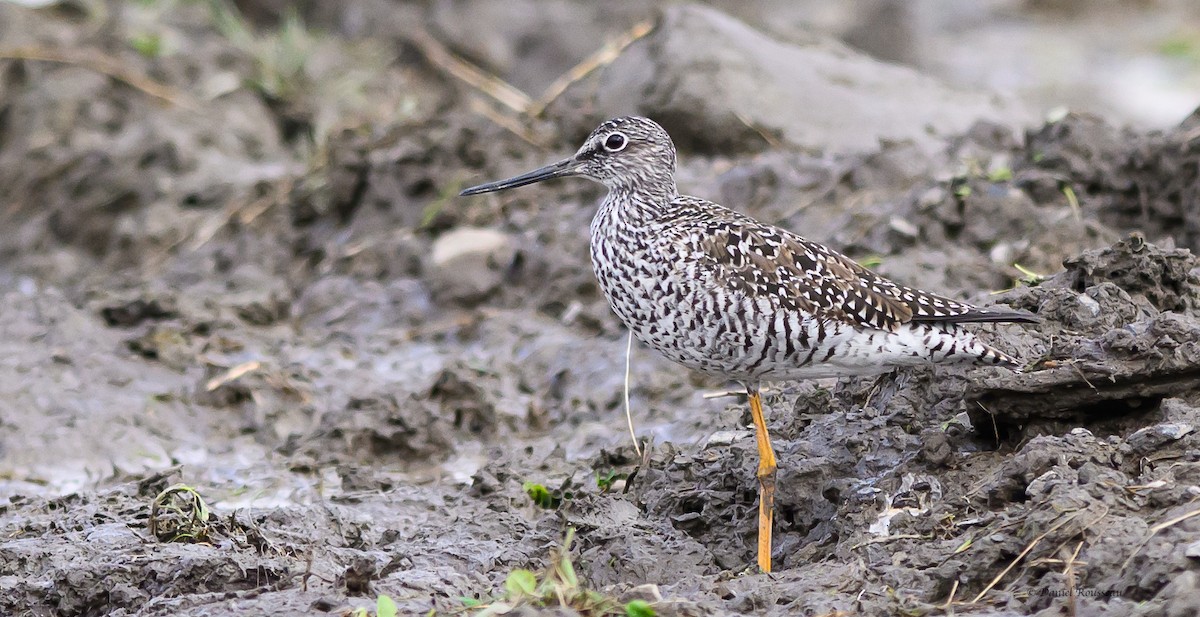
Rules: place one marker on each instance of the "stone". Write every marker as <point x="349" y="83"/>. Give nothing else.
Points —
<point x="468" y="264"/>
<point x="718" y="85"/>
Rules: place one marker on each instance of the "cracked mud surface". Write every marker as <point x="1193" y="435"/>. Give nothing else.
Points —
<point x="360" y="373"/>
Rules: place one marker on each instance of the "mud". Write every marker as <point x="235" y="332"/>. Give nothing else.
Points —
<point x="257" y="282"/>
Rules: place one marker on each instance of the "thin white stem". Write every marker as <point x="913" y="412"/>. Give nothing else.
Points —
<point x="628" y="410"/>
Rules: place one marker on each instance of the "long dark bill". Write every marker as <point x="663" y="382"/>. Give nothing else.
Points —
<point x="566" y="167"/>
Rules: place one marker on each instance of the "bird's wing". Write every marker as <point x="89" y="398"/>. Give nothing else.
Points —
<point x="798" y="274"/>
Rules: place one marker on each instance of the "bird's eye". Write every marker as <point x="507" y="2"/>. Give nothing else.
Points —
<point x="615" y="142"/>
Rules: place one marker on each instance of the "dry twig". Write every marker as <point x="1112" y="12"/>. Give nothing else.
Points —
<point x="754" y="126"/>
<point x="232" y="374"/>
<point x="1154" y="531"/>
<point x="244" y="211"/>
<point x="881" y="540"/>
<point x="599" y="59"/>
<point x="501" y="91"/>
<point x="507" y="123"/>
<point x="948" y="607"/>
<point x="103" y="64"/>
<point x="1069" y="573"/>
<point x="1028" y="548"/>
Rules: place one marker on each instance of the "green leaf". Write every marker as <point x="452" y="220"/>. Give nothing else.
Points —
<point x="1176" y="47"/>
<point x="149" y="45"/>
<point x="1031" y="277"/>
<point x="568" y="571"/>
<point x="605" y="481"/>
<point x="1000" y="174"/>
<point x="1072" y="200"/>
<point x="469" y="602"/>
<point x="639" y="608"/>
<point x="520" y="583"/>
<point x="870" y="261"/>
<point x="541" y="496"/>
<point x="385" y="607"/>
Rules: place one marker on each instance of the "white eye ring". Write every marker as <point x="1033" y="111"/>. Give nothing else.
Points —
<point x="616" y="142"/>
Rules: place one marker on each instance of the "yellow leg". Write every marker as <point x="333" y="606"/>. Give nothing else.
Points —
<point x="766" y="480"/>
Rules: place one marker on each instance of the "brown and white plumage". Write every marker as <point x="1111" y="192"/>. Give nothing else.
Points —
<point x="722" y="293"/>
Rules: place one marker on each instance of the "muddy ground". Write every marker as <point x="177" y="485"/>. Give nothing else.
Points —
<point x="232" y="258"/>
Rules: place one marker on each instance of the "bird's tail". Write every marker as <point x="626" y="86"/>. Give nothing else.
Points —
<point x="995" y="357"/>
<point x="982" y="315"/>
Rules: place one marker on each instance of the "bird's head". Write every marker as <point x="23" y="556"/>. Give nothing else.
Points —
<point x="626" y="153"/>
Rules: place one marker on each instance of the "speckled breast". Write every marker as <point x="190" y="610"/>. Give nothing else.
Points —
<point x="671" y="312"/>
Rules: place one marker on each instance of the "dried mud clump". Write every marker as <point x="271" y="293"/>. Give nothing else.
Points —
<point x="1134" y="181"/>
<point x="1121" y="334"/>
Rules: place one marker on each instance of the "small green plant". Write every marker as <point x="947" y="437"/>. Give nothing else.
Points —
<point x="434" y="209"/>
<point x="605" y="481"/>
<point x="541" y="496"/>
<point x="1072" y="199"/>
<point x="546" y="498"/>
<point x="148" y="44"/>
<point x="639" y="608"/>
<point x="1029" y="276"/>
<point x="384" y="607"/>
<point x="282" y="56"/>
<point x="557" y="586"/>
<point x="1181" y="46"/>
<point x="1000" y="174"/>
<point x="871" y="261"/>
<point x="313" y="80"/>
<point x="179" y="514"/>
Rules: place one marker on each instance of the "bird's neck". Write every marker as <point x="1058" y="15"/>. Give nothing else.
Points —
<point x="640" y="205"/>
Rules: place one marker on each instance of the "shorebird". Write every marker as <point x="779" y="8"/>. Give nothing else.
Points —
<point x="726" y="295"/>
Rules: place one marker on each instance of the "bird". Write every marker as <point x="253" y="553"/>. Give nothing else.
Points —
<point x="726" y="295"/>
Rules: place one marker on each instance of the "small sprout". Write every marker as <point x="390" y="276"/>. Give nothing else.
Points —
<point x="541" y="496"/>
<point x="1038" y="157"/>
<point x="147" y="44"/>
<point x="385" y="607"/>
<point x="871" y="261"/>
<point x="1030" y="277"/>
<point x="430" y="213"/>
<point x="639" y="608"/>
<point x="557" y="585"/>
<point x="1072" y="200"/>
<point x="1000" y="174"/>
<point x="520" y="584"/>
<point x="564" y="568"/>
<point x="960" y="187"/>
<point x="179" y="514"/>
<point x="606" y="481"/>
<point x="1180" y="47"/>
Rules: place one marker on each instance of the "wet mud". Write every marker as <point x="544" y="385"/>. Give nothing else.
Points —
<point x="270" y="295"/>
